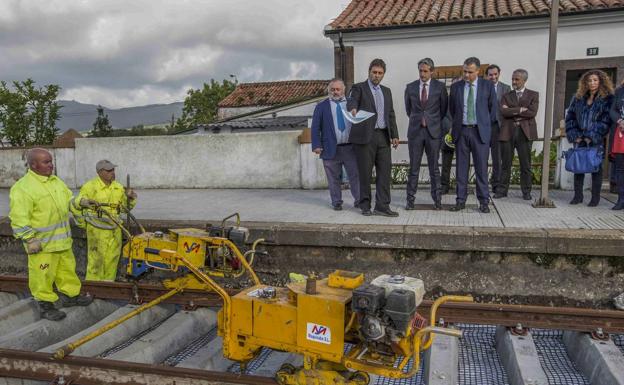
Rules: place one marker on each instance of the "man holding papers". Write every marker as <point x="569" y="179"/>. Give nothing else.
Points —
<point x="372" y="138"/>
<point x="330" y="140"/>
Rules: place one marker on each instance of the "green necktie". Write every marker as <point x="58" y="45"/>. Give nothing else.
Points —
<point x="471" y="106"/>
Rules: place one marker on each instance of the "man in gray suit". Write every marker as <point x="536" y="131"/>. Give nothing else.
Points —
<point x="426" y="102"/>
<point x="493" y="74"/>
<point x="372" y="139"/>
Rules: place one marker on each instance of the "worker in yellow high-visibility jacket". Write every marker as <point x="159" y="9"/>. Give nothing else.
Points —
<point x="103" y="235"/>
<point x="39" y="213"/>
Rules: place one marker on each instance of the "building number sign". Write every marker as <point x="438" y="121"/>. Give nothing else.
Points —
<point x="592" y="51"/>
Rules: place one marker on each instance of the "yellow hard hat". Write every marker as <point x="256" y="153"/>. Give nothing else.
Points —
<point x="448" y="140"/>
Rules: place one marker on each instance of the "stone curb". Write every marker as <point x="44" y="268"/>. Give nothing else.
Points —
<point x="487" y="239"/>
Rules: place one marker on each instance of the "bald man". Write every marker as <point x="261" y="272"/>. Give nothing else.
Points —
<point x="39" y="213"/>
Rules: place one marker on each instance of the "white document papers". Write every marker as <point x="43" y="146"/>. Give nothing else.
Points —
<point x="359" y="117"/>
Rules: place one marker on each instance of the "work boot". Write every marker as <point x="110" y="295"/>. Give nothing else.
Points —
<point x="49" y="312"/>
<point x="79" y="300"/>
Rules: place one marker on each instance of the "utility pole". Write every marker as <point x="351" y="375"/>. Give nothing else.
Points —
<point x="544" y="201"/>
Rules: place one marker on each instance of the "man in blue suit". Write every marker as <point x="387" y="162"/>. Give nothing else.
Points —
<point x="426" y="103"/>
<point x="473" y="109"/>
<point x="330" y="140"/>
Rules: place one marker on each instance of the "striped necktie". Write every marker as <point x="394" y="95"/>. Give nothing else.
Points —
<point x="378" y="104"/>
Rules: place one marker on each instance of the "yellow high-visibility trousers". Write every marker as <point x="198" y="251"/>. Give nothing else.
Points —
<point x="104" y="249"/>
<point x="46" y="269"/>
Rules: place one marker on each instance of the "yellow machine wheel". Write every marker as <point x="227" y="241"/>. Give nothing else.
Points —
<point x="288" y="368"/>
<point x="289" y="375"/>
<point x="360" y="378"/>
<point x="284" y="374"/>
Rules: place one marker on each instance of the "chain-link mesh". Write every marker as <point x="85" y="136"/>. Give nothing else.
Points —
<point x="618" y="340"/>
<point x="134" y="338"/>
<point x="559" y="369"/>
<point x="253" y="364"/>
<point x="416" y="380"/>
<point x="479" y="362"/>
<point x="191" y="348"/>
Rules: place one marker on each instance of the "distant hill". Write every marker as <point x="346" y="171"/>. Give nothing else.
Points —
<point x="80" y="116"/>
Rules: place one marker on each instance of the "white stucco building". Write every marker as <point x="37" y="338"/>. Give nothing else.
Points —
<point x="510" y="33"/>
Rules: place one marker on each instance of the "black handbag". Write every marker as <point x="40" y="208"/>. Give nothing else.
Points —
<point x="583" y="159"/>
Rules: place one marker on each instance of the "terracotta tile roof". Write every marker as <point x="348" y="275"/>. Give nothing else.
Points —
<point x="273" y="93"/>
<point x="67" y="139"/>
<point x="392" y="13"/>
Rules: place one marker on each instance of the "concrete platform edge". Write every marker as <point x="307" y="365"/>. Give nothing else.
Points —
<point x="448" y="238"/>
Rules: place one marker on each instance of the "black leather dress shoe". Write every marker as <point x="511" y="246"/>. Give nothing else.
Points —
<point x="484" y="208"/>
<point x="385" y="213"/>
<point x="366" y="212"/>
<point x="500" y="194"/>
<point x="410" y="206"/>
<point x="437" y="205"/>
<point x="458" y="207"/>
<point x="337" y="207"/>
<point x="527" y="196"/>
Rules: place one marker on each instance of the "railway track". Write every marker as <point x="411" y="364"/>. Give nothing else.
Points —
<point x="176" y="343"/>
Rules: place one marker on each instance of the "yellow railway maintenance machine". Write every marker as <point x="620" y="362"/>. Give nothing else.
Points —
<point x="215" y="251"/>
<point x="316" y="318"/>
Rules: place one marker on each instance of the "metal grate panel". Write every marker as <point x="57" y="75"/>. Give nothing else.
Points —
<point x="618" y="340"/>
<point x="479" y="363"/>
<point x="559" y="369"/>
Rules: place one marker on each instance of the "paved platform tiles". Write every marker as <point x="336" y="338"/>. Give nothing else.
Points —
<point x="312" y="206"/>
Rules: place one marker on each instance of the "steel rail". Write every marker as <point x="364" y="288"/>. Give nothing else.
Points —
<point x="97" y="371"/>
<point x="125" y="291"/>
<point x="543" y="317"/>
<point x="566" y="318"/>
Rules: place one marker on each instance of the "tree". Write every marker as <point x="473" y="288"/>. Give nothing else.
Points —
<point x="200" y="106"/>
<point x="28" y="114"/>
<point x="101" y="126"/>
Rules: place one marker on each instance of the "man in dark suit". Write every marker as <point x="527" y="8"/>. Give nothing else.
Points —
<point x="330" y="140"/>
<point x="493" y="73"/>
<point x="519" y="129"/>
<point x="426" y="103"/>
<point x="473" y="108"/>
<point x="373" y="137"/>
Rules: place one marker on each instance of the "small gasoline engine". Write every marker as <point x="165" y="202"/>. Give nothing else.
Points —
<point x="386" y="311"/>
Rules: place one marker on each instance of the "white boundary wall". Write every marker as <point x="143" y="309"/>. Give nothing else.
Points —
<point x="249" y="160"/>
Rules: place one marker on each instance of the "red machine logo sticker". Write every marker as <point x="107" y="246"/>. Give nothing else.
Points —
<point x="318" y="333"/>
<point x="194" y="247"/>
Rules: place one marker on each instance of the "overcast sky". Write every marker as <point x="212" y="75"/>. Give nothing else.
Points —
<point x="122" y="53"/>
